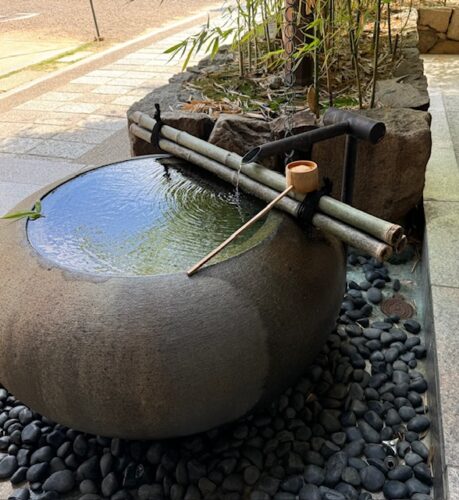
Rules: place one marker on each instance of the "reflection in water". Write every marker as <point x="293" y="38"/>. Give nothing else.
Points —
<point x="134" y="218"/>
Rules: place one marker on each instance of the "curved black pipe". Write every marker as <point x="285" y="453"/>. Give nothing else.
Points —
<point x="361" y="127"/>
<point x="299" y="142"/>
<point x="337" y="122"/>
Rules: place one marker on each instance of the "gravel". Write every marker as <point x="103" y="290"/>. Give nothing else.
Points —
<point x="352" y="428"/>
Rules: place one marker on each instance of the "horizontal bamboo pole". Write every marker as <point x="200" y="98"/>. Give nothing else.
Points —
<point x="342" y="231"/>
<point x="352" y="236"/>
<point x="231" y="176"/>
<point x="379" y="228"/>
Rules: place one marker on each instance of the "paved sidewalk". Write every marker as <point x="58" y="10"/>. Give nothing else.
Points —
<point x="441" y="263"/>
<point x="80" y="123"/>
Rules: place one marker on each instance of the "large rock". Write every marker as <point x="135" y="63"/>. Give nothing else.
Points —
<point x="239" y="134"/>
<point x="453" y="29"/>
<point x="302" y="121"/>
<point x="445" y="47"/>
<point x="427" y="39"/>
<point x="389" y="176"/>
<point x="409" y="65"/>
<point x="437" y="19"/>
<point x="398" y="93"/>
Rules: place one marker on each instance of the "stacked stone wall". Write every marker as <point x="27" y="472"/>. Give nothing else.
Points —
<point x="438" y="30"/>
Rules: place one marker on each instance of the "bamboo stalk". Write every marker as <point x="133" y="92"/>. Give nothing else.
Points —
<point x="255" y="38"/>
<point x="342" y="231"/>
<point x="354" y="52"/>
<point x="376" y="53"/>
<point x="353" y="237"/>
<point x="316" y="15"/>
<point x="379" y="228"/>
<point x="239" y="46"/>
<point x="237" y="233"/>
<point x="223" y="172"/>
<point x="389" y="26"/>
<point x="386" y="231"/>
<point x="264" y="14"/>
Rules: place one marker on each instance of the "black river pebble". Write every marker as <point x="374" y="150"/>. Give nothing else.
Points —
<point x="322" y="439"/>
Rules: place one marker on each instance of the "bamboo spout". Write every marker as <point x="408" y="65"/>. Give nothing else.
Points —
<point x="376" y="227"/>
<point x="339" y="220"/>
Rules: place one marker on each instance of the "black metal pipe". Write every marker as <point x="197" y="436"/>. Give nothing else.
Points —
<point x="360" y="126"/>
<point x="300" y="142"/>
<point x="350" y="158"/>
<point x="337" y="122"/>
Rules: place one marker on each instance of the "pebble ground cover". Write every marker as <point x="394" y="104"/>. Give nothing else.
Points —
<point x="354" y="427"/>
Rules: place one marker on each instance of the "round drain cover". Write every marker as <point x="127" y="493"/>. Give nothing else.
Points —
<point x="397" y="305"/>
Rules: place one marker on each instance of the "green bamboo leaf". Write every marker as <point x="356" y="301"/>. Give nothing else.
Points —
<point x="33" y="214"/>
<point x="176" y="47"/>
<point x="18" y="215"/>
<point x="215" y="47"/>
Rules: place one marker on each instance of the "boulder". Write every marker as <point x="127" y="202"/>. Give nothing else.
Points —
<point x="437" y="19"/>
<point x="409" y="66"/>
<point x="398" y="93"/>
<point x="239" y="134"/>
<point x="302" y="121"/>
<point x="453" y="29"/>
<point x="427" y="39"/>
<point x="445" y="47"/>
<point x="389" y="176"/>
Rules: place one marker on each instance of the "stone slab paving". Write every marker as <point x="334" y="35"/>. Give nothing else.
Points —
<point x="78" y="120"/>
<point x="441" y="259"/>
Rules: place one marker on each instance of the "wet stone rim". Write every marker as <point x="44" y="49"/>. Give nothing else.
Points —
<point x="354" y="426"/>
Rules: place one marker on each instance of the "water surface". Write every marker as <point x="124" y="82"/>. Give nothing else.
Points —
<point x="140" y="217"/>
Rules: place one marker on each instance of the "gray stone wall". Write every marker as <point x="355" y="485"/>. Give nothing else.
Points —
<point x="438" y="30"/>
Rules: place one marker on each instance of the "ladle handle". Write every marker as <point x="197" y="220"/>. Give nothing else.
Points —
<point x="249" y="223"/>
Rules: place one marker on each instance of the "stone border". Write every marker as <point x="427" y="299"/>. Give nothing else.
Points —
<point x="438" y="30"/>
<point x="441" y="292"/>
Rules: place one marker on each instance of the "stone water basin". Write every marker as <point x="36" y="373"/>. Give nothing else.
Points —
<point x="102" y="330"/>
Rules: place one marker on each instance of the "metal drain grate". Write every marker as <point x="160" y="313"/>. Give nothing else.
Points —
<point x="397" y="305"/>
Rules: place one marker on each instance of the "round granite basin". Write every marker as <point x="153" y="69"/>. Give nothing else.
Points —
<point x="102" y="330"/>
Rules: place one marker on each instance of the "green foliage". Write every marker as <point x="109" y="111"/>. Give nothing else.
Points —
<point x="328" y="32"/>
<point x="33" y="214"/>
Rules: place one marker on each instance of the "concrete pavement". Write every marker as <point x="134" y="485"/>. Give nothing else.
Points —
<point x="441" y="268"/>
<point x="81" y="122"/>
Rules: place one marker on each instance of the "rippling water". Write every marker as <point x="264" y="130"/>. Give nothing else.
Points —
<point x="140" y="218"/>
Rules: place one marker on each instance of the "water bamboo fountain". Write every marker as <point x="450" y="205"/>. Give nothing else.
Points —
<point x="112" y="350"/>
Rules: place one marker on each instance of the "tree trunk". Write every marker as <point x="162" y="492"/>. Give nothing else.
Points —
<point x="304" y="71"/>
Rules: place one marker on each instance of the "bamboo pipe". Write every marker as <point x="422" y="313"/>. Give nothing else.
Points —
<point x="379" y="228"/>
<point x="288" y="205"/>
<point x="246" y="183"/>
<point x="301" y="176"/>
<point x="353" y="237"/>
